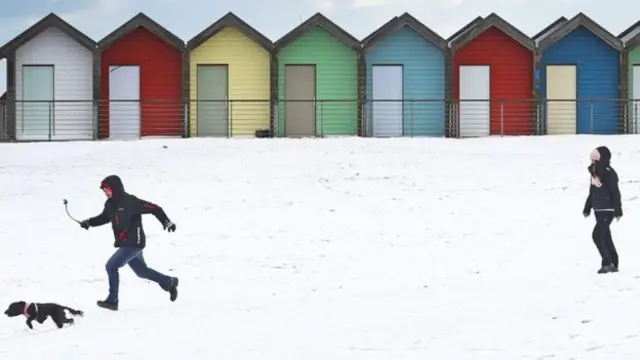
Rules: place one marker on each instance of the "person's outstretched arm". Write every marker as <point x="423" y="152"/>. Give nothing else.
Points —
<point x="147" y="207"/>
<point x="98" y="220"/>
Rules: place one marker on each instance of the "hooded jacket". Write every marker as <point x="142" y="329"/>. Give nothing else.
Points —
<point x="125" y="211"/>
<point x="604" y="193"/>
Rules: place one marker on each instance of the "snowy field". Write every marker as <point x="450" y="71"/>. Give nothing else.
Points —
<point x="331" y="249"/>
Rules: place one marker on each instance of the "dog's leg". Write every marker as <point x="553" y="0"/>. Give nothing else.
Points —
<point x="58" y="321"/>
<point x="67" y="320"/>
<point x="60" y="318"/>
<point x="29" y="320"/>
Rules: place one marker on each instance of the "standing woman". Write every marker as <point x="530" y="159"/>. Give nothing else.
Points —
<point x="605" y="200"/>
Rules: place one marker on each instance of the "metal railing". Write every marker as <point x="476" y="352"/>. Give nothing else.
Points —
<point x="120" y="119"/>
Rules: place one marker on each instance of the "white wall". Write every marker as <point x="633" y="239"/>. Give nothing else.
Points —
<point x="73" y="68"/>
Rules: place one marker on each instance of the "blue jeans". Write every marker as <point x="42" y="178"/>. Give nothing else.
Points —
<point x="134" y="258"/>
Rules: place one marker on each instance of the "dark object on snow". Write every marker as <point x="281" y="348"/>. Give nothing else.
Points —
<point x="124" y="211"/>
<point x="605" y="200"/>
<point x="604" y="243"/>
<point x="264" y="133"/>
<point x="41" y="311"/>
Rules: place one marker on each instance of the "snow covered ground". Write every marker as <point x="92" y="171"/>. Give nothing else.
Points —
<point x="326" y="249"/>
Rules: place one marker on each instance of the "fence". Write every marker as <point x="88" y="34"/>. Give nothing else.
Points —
<point x="120" y="119"/>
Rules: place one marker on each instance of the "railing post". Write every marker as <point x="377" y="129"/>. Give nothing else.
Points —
<point x="186" y="119"/>
<point x="501" y="118"/>
<point x="229" y="106"/>
<point x="591" y="123"/>
<point x="94" y="121"/>
<point x="139" y="119"/>
<point x="625" y="117"/>
<point x="635" y="117"/>
<point x="365" y="119"/>
<point x="50" y="109"/>
<point x="322" y="119"/>
<point x="411" y="120"/>
<point x="457" y="118"/>
<point x="276" y="118"/>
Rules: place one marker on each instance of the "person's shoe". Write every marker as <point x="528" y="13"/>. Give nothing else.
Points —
<point x="111" y="305"/>
<point x="173" y="289"/>
<point x="606" y="269"/>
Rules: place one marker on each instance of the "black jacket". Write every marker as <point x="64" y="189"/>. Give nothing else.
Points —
<point x="606" y="196"/>
<point x="125" y="211"/>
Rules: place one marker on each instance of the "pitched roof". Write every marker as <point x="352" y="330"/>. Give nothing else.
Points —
<point x="631" y="36"/>
<point x="379" y="30"/>
<point x="230" y="20"/>
<point x="496" y="21"/>
<point x="399" y="22"/>
<point x="577" y="21"/>
<point x="546" y="31"/>
<point x="464" y="29"/>
<point x="141" y="20"/>
<point x="319" y="20"/>
<point x="49" y="21"/>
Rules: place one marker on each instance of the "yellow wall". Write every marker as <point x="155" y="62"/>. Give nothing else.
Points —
<point x="249" y="73"/>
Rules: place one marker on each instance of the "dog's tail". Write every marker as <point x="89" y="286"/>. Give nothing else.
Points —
<point x="74" y="312"/>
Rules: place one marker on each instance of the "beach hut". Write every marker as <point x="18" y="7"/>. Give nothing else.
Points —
<point x="142" y="81"/>
<point x="579" y="66"/>
<point x="230" y="86"/>
<point x="50" y="87"/>
<point x="405" y="79"/>
<point x="630" y="71"/>
<point x="493" y="79"/>
<point x="318" y="80"/>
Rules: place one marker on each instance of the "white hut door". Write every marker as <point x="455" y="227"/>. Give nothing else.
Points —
<point x="475" y="100"/>
<point x="124" y="102"/>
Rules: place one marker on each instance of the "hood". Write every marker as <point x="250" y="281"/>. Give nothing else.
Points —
<point x="601" y="156"/>
<point x="114" y="183"/>
<point x="605" y="155"/>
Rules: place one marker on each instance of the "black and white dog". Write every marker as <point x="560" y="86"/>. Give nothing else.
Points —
<point x="41" y="311"/>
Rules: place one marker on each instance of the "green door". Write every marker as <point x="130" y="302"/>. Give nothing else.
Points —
<point x="37" y="96"/>
<point x="212" y="97"/>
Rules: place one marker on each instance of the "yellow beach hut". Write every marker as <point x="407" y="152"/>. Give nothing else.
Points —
<point x="230" y="80"/>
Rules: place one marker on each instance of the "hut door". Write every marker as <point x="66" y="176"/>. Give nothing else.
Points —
<point x="635" y="105"/>
<point x="561" y="99"/>
<point x="387" y="84"/>
<point x="475" y="105"/>
<point x="300" y="114"/>
<point x="36" y="122"/>
<point x="124" y="102"/>
<point x="213" y="101"/>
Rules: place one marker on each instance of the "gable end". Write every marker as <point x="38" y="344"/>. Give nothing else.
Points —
<point x="143" y="21"/>
<point x="547" y="30"/>
<point x="496" y="21"/>
<point x="320" y="21"/>
<point x="49" y="21"/>
<point x="397" y="23"/>
<point x="578" y="21"/>
<point x="464" y="30"/>
<point x="230" y="20"/>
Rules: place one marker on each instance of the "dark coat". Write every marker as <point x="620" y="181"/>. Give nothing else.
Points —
<point x="125" y="211"/>
<point x="604" y="193"/>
